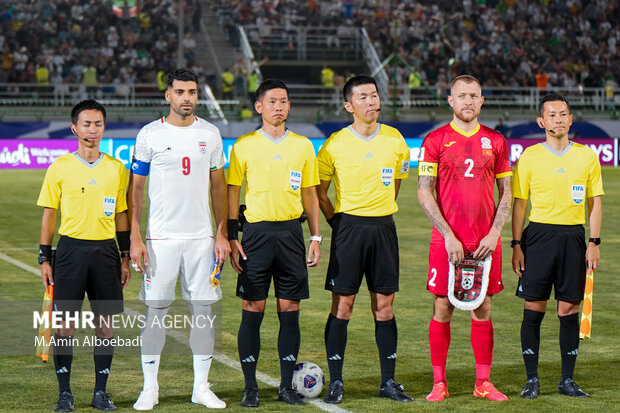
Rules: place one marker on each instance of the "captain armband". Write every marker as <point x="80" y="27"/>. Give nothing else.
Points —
<point x="427" y="169"/>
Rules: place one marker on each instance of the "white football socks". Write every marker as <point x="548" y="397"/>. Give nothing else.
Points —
<point x="153" y="339"/>
<point x="201" y="341"/>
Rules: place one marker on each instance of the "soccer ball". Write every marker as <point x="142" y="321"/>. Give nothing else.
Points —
<point x="308" y="379"/>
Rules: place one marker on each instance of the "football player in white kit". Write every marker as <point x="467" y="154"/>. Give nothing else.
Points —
<point x="183" y="156"/>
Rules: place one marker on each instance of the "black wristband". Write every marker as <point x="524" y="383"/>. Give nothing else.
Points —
<point x="125" y="255"/>
<point x="233" y="229"/>
<point x="122" y="237"/>
<point x="45" y="251"/>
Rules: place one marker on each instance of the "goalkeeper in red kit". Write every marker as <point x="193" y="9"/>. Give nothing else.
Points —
<point x="460" y="163"/>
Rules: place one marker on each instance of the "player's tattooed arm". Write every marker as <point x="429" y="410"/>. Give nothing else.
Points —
<point x="426" y="197"/>
<point x="488" y="244"/>
<point x="504" y="185"/>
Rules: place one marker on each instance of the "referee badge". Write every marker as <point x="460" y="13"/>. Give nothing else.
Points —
<point x="203" y="147"/>
<point x="578" y="193"/>
<point x="386" y="176"/>
<point x="295" y="180"/>
<point x="109" y="205"/>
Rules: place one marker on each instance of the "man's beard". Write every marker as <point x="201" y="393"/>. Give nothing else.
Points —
<point x="469" y="118"/>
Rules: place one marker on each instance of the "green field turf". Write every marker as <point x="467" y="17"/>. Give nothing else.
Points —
<point x="26" y="384"/>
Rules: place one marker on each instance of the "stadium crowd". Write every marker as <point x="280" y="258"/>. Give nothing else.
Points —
<point x="563" y="43"/>
<point x="79" y="41"/>
<point x="566" y="43"/>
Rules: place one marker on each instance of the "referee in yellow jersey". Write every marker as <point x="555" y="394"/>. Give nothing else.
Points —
<point x="560" y="177"/>
<point x="90" y="187"/>
<point x="281" y="175"/>
<point x="367" y="161"/>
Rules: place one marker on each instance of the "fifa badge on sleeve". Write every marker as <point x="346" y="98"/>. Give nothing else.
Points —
<point x="215" y="274"/>
<point x="468" y="282"/>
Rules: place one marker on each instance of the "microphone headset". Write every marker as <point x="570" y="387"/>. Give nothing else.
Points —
<point x="79" y="137"/>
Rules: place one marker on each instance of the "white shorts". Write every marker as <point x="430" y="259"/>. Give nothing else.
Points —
<point x="192" y="259"/>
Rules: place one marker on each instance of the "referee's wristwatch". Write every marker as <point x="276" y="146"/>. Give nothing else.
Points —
<point x="317" y="238"/>
<point x="43" y="259"/>
<point x="595" y="241"/>
<point x="515" y="242"/>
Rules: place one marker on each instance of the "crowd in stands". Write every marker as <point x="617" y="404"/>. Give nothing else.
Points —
<point x="83" y="41"/>
<point x="566" y="43"/>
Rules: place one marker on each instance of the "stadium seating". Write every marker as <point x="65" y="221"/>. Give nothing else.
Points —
<point x="504" y="42"/>
<point x="70" y="38"/>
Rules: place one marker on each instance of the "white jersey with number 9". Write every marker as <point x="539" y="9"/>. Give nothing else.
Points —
<point x="178" y="161"/>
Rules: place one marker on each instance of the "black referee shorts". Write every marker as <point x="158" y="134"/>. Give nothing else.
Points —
<point x="273" y="249"/>
<point x="554" y="257"/>
<point x="93" y="267"/>
<point x="363" y="245"/>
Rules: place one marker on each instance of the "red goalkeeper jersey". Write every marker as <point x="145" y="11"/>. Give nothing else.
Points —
<point x="466" y="166"/>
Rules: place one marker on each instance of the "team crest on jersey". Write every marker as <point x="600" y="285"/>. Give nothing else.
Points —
<point x="109" y="205"/>
<point x="203" y="147"/>
<point x="386" y="176"/>
<point x="578" y="193"/>
<point x="486" y="143"/>
<point x="295" y="179"/>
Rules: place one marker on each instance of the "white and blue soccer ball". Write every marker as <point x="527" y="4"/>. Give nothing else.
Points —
<point x="308" y="379"/>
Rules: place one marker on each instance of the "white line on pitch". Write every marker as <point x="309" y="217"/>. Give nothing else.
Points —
<point x="182" y="338"/>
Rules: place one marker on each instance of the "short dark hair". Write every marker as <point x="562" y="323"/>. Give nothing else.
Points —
<point x="552" y="97"/>
<point x="88" y="104"/>
<point x="269" y="84"/>
<point x="464" y="78"/>
<point x="358" y="80"/>
<point x="183" y="75"/>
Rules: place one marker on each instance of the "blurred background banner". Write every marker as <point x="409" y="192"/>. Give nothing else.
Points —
<point x="40" y="153"/>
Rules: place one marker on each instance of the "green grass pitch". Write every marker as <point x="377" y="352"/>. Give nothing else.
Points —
<point x="26" y="384"/>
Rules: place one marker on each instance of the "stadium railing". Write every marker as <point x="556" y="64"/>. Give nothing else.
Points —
<point x="373" y="62"/>
<point x="303" y="43"/>
<point x="148" y="95"/>
<point x="247" y="55"/>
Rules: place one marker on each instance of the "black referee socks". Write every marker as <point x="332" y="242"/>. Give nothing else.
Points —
<point x="386" y="335"/>
<point x="569" y="343"/>
<point x="335" y="344"/>
<point x="530" y="341"/>
<point x="289" y="338"/>
<point x="248" y="343"/>
<point x="63" y="357"/>
<point x="102" y="354"/>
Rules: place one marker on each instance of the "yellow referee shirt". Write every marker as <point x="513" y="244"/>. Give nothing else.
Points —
<point x="364" y="169"/>
<point x="275" y="170"/>
<point x="89" y="195"/>
<point x="558" y="184"/>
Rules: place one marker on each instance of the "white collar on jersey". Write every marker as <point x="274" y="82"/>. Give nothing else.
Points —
<point x="271" y="138"/>
<point x="365" y="139"/>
